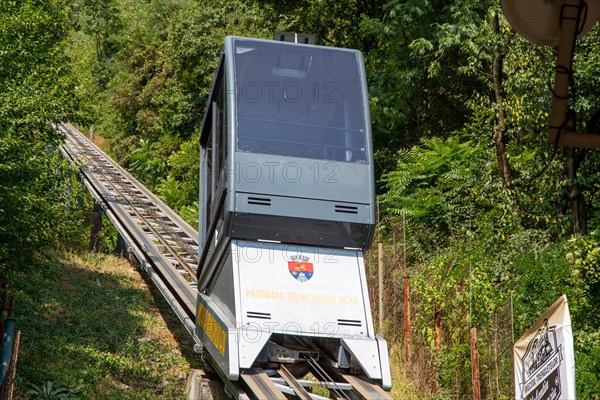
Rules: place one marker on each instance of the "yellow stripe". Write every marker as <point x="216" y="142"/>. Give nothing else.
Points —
<point x="215" y="333"/>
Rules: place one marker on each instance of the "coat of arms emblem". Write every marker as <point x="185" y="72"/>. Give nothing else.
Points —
<point x="300" y="268"/>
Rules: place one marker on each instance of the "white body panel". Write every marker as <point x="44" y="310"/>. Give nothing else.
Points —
<point x="290" y="290"/>
<point x="325" y="297"/>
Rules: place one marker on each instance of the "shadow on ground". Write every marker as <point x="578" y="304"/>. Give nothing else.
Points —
<point x="91" y="325"/>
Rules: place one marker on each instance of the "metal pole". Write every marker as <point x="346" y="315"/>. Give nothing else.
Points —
<point x="512" y="319"/>
<point x="380" y="272"/>
<point x="7" y="346"/>
<point x="13" y="366"/>
<point x="569" y="22"/>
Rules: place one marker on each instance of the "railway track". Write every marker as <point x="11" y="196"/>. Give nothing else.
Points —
<point x="167" y="249"/>
<point x="164" y="244"/>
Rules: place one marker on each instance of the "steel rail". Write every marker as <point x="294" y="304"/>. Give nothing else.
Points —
<point x="322" y="374"/>
<point x="145" y="260"/>
<point x="152" y="219"/>
<point x="291" y="380"/>
<point x="106" y="193"/>
<point x="139" y="241"/>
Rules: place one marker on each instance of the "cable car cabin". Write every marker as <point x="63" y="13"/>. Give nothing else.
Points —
<point x="286" y="146"/>
<point x="287" y="208"/>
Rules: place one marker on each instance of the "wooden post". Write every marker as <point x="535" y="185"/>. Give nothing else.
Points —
<point x="394" y="287"/>
<point x="380" y="272"/>
<point x="438" y="331"/>
<point x="406" y="298"/>
<point x="475" y="364"/>
<point x="406" y="319"/>
<point x="96" y="222"/>
<point x="121" y="249"/>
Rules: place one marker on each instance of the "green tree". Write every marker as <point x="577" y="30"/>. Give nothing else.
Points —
<point x="416" y="64"/>
<point x="98" y="18"/>
<point x="37" y="90"/>
<point x="493" y="198"/>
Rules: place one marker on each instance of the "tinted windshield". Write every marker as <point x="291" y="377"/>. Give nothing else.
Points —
<point x="299" y="101"/>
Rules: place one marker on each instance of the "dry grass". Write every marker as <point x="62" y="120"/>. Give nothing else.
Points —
<point x="100" y="142"/>
<point x="403" y="386"/>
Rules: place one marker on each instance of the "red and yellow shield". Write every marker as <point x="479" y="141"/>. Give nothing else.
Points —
<point x="300" y="270"/>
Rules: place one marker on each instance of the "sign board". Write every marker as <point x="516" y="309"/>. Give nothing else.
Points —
<point x="302" y="290"/>
<point x="544" y="359"/>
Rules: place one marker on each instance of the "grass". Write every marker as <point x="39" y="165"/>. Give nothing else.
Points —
<point x="91" y="326"/>
<point x="402" y="385"/>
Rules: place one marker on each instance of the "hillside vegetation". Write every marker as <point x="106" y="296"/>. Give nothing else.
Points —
<point x="92" y="327"/>
<point x="487" y="222"/>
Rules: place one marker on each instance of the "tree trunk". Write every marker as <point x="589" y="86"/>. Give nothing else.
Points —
<point x="499" y="134"/>
<point x="438" y="331"/>
<point x="96" y="226"/>
<point x="573" y="158"/>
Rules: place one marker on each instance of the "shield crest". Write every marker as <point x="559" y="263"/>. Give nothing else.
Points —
<point x="302" y="271"/>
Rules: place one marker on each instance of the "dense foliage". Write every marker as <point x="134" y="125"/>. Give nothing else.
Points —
<point x="37" y="89"/>
<point x="495" y="218"/>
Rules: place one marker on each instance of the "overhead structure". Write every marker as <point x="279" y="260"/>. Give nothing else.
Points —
<point x="557" y="23"/>
<point x="539" y="20"/>
<point x="295" y="37"/>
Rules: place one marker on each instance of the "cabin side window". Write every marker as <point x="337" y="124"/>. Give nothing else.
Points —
<point x="220" y="106"/>
<point x="208" y="184"/>
<point x="215" y="163"/>
<point x="220" y="167"/>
